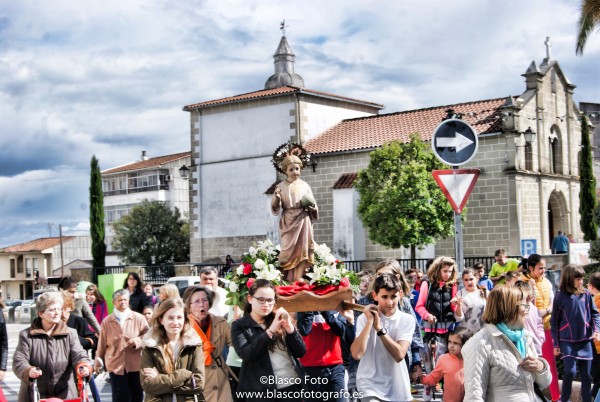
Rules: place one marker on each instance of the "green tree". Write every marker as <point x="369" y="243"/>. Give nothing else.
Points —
<point x="400" y="202"/>
<point x="587" y="185"/>
<point x="152" y="233"/>
<point x="589" y="19"/>
<point x="97" y="214"/>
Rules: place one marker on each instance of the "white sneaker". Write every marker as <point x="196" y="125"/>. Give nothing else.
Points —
<point x="426" y="393"/>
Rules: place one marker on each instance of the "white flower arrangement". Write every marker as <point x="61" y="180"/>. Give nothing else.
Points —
<point x="327" y="270"/>
<point x="262" y="262"/>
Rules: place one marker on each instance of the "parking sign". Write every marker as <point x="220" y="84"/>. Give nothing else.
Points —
<point x="528" y="246"/>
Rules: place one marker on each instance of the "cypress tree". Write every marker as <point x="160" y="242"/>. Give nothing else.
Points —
<point x="587" y="185"/>
<point x="97" y="214"/>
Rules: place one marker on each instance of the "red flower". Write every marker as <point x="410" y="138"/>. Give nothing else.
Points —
<point x="247" y="269"/>
<point x="250" y="282"/>
<point x="345" y="282"/>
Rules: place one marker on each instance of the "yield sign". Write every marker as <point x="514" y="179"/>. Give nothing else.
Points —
<point x="456" y="185"/>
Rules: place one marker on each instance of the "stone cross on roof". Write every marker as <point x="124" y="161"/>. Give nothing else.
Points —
<point x="548" y="46"/>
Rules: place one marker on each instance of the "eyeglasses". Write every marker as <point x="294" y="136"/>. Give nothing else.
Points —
<point x="263" y="300"/>
<point x="526" y="307"/>
<point x="53" y="310"/>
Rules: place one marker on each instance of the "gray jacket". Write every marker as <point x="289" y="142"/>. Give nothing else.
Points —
<point x="83" y="309"/>
<point x="56" y="355"/>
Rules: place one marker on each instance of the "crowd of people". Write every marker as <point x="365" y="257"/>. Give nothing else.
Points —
<point x="467" y="337"/>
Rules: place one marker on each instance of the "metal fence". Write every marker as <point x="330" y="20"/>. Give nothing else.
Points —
<point x="421" y="263"/>
<point x="221" y="268"/>
<point x="155" y="274"/>
<point x="158" y="274"/>
<point x="114" y="269"/>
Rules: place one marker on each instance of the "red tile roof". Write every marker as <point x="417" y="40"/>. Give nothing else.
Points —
<point x="267" y="93"/>
<point x="149" y="163"/>
<point x="36" y="245"/>
<point x="374" y="131"/>
<point x="345" y="181"/>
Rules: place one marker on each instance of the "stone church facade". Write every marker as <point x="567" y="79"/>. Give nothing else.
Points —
<point x="525" y="191"/>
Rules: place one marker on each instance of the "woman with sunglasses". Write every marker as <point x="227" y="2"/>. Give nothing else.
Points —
<point x="269" y="346"/>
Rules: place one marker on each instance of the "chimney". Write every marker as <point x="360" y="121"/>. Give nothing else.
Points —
<point x="144" y="156"/>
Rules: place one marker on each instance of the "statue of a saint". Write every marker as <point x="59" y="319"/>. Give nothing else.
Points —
<point x="294" y="199"/>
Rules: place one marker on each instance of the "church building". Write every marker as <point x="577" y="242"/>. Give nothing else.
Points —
<point x="528" y="188"/>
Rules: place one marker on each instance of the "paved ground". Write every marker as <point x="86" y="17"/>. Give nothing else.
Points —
<point x="11" y="384"/>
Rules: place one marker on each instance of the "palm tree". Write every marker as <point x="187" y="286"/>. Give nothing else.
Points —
<point x="588" y="21"/>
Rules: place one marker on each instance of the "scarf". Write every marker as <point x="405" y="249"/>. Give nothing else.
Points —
<point x="207" y="346"/>
<point x="121" y="316"/>
<point x="516" y="337"/>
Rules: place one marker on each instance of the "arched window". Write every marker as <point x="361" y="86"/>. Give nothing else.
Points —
<point x="555" y="151"/>
<point x="528" y="156"/>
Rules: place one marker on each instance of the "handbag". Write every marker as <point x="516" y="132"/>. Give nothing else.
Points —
<point x="540" y="393"/>
<point x="223" y="366"/>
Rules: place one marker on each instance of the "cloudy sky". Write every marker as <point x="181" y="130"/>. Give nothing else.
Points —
<point x="110" y="78"/>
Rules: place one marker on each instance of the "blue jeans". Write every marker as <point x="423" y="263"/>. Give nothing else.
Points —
<point x="586" y="381"/>
<point x="326" y="379"/>
<point x="127" y="387"/>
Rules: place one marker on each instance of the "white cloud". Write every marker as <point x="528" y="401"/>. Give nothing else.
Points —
<point x="109" y="78"/>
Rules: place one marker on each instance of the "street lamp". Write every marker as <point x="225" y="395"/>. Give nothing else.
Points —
<point x="184" y="172"/>
<point x="529" y="135"/>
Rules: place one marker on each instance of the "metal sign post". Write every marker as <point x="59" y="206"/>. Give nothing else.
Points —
<point x="458" y="242"/>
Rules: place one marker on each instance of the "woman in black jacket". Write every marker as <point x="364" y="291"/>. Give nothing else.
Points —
<point x="137" y="297"/>
<point x="269" y="346"/>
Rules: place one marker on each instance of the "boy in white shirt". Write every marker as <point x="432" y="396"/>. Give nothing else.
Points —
<point x="383" y="337"/>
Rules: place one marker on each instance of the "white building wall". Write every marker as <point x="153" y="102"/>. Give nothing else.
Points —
<point x="244" y="133"/>
<point x="233" y="198"/>
<point x="320" y="117"/>
<point x="11" y="290"/>
<point x="134" y="198"/>
<point x="348" y="232"/>
<point x="4" y="267"/>
<point x="78" y="248"/>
